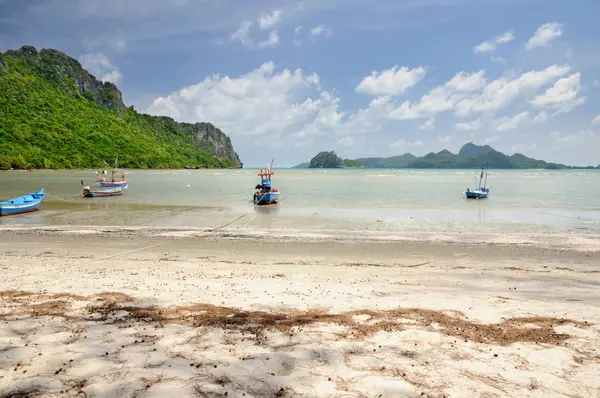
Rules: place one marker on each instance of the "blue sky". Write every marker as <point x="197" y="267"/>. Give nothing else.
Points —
<point x="287" y="79"/>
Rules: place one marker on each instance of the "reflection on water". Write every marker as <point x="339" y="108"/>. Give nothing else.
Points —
<point x="267" y="209"/>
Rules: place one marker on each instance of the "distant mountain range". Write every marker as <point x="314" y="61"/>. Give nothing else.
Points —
<point x="470" y="156"/>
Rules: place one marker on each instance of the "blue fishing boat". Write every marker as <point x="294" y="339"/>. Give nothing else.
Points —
<point x="481" y="192"/>
<point x="265" y="194"/>
<point x="24" y="204"/>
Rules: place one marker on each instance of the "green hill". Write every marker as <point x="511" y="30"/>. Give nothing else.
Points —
<point x="329" y="160"/>
<point x="470" y="156"/>
<point x="54" y="114"/>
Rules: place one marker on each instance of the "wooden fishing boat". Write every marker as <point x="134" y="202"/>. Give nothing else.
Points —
<point x="265" y="194"/>
<point x="90" y="192"/>
<point x="23" y="204"/>
<point x="117" y="177"/>
<point x="481" y="192"/>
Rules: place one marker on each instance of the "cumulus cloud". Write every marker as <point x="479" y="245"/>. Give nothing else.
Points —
<point x="266" y="21"/>
<point x="544" y="35"/>
<point x="261" y="103"/>
<point x="394" y="81"/>
<point x="100" y="66"/>
<point x="563" y="95"/>
<point x="490" y="45"/>
<point x="320" y="30"/>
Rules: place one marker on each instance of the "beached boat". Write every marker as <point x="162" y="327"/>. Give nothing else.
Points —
<point x="90" y="192"/>
<point x="117" y="177"/>
<point x="265" y="194"/>
<point x="481" y="192"/>
<point x="23" y="204"/>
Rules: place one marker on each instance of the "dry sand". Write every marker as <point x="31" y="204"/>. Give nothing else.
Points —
<point x="104" y="312"/>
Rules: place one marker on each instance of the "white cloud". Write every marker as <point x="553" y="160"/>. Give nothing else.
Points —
<point x="505" y="38"/>
<point x="503" y="91"/>
<point x="491" y="139"/>
<point x="511" y="122"/>
<point x="267" y="21"/>
<point x="263" y="102"/>
<point x="596" y="120"/>
<point x="498" y="60"/>
<point x="545" y="34"/>
<point x="394" y="81"/>
<point x="442" y="98"/>
<point x="469" y="126"/>
<point x="484" y="47"/>
<point x="242" y="34"/>
<point x="100" y="66"/>
<point x="320" y="30"/>
<point x="444" y="139"/>
<point x="463" y="81"/>
<point x="271" y="41"/>
<point x="490" y="45"/>
<point x="563" y="95"/>
<point x="428" y="125"/>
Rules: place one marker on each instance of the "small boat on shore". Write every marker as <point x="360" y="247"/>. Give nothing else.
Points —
<point x="23" y="204"/>
<point x="117" y="177"/>
<point x="90" y="192"/>
<point x="481" y="192"/>
<point x="265" y="194"/>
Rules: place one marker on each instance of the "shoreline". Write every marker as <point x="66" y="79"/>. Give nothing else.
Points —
<point x="237" y="229"/>
<point x="152" y="312"/>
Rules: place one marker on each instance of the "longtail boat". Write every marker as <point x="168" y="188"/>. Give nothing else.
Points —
<point x="23" y="204"/>
<point x="90" y="192"/>
<point x="117" y="177"/>
<point x="265" y="194"/>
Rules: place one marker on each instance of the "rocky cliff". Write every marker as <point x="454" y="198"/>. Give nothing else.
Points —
<point x="48" y="97"/>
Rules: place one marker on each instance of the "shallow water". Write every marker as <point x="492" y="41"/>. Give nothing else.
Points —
<point x="317" y="199"/>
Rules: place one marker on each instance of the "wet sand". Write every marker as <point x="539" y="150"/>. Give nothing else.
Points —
<point x="134" y="312"/>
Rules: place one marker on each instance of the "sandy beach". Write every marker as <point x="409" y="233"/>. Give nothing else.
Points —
<point x="132" y="312"/>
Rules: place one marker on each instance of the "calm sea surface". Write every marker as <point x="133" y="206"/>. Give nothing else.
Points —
<point x="346" y="198"/>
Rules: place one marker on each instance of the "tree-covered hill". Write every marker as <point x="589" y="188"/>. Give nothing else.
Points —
<point x="470" y="156"/>
<point x="54" y="114"/>
<point x="329" y="160"/>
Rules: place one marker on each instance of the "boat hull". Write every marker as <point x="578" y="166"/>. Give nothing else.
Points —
<point x="476" y="194"/>
<point x="114" y="184"/>
<point x="91" y="193"/>
<point x="266" y="198"/>
<point x="25" y="204"/>
<point x="19" y="209"/>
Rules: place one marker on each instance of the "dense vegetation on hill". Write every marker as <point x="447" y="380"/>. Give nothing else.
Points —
<point x="329" y="160"/>
<point x="470" y="156"/>
<point x="54" y="114"/>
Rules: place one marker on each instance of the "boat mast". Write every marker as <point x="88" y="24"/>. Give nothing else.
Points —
<point x="486" y="174"/>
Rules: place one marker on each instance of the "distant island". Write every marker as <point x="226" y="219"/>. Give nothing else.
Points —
<point x="470" y="156"/>
<point x="55" y="114"/>
<point x="330" y="160"/>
